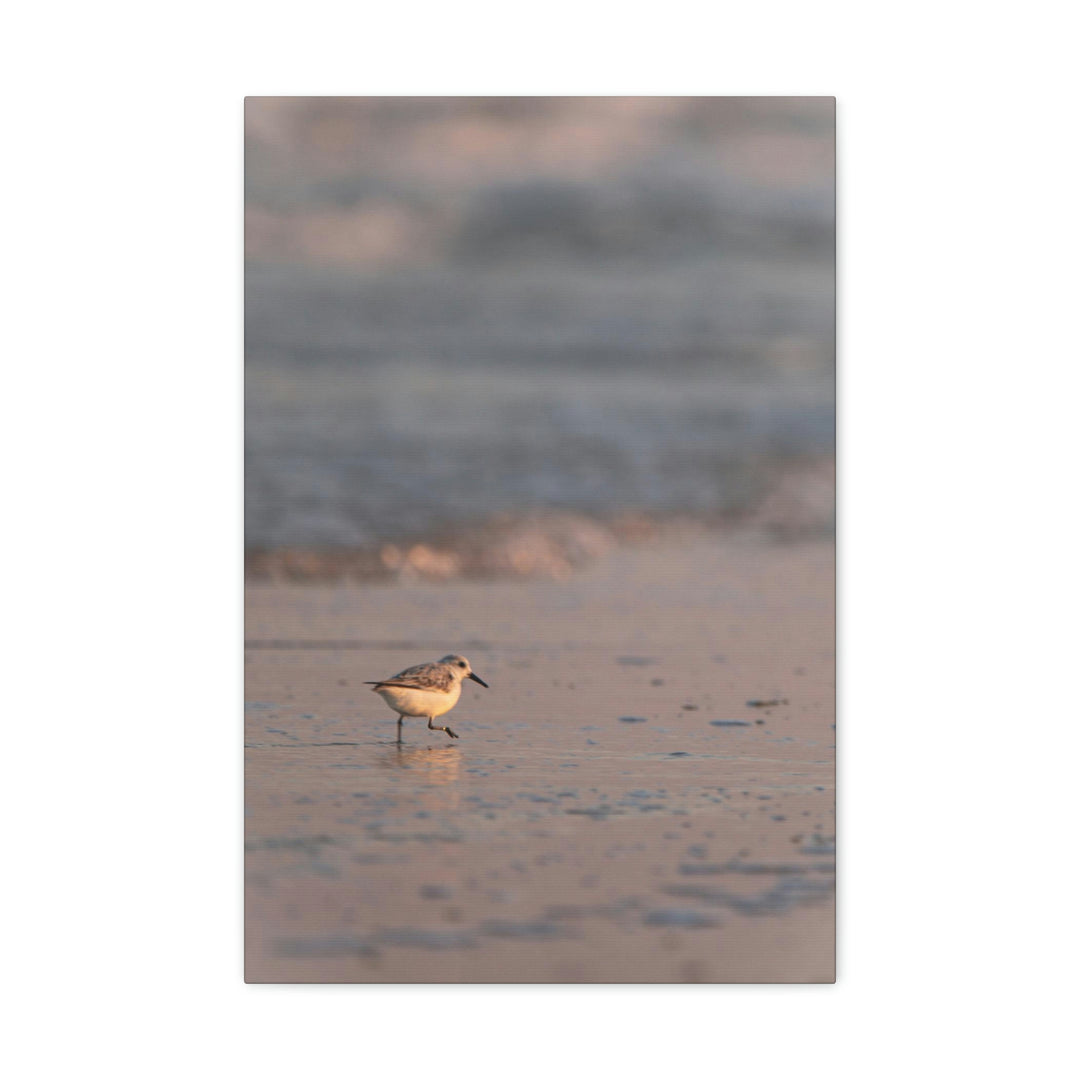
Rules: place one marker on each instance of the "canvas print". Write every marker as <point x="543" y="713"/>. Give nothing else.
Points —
<point x="539" y="540"/>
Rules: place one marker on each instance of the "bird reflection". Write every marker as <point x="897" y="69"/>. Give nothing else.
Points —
<point x="431" y="765"/>
<point x="431" y="771"/>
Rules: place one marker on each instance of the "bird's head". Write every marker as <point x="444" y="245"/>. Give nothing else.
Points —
<point x="461" y="668"/>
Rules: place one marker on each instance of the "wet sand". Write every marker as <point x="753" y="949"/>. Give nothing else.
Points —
<point x="645" y="794"/>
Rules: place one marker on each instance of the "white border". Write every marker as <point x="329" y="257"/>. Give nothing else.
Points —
<point x="958" y="494"/>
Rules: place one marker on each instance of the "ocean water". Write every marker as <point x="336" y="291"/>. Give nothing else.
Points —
<point x="390" y="405"/>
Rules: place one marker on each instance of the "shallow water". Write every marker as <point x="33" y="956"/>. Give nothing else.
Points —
<point x="394" y="405"/>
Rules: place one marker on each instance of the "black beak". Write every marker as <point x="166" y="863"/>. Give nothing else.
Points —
<point x="476" y="678"/>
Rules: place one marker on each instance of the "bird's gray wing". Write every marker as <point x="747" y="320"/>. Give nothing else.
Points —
<point x="419" y="677"/>
<point x="403" y="685"/>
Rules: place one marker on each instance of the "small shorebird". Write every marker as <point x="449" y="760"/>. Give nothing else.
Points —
<point x="426" y="690"/>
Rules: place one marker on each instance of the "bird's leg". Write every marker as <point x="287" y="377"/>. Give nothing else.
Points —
<point x="435" y="727"/>
<point x="399" y="720"/>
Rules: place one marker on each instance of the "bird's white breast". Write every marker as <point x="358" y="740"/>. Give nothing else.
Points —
<point x="420" y="702"/>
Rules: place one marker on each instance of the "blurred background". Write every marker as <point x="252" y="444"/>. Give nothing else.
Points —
<point x="496" y="335"/>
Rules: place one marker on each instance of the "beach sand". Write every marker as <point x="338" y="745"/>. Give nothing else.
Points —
<point x="623" y="805"/>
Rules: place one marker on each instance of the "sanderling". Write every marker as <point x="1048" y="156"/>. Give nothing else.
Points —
<point x="426" y="690"/>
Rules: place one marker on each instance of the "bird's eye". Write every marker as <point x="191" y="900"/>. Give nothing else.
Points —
<point x="461" y="663"/>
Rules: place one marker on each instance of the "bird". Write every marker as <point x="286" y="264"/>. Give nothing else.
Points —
<point x="426" y="690"/>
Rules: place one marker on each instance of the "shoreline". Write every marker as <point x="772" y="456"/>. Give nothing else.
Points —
<point x="554" y="545"/>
